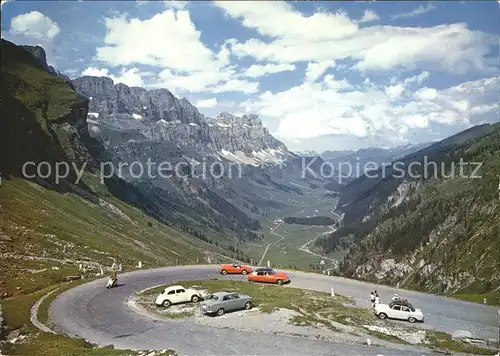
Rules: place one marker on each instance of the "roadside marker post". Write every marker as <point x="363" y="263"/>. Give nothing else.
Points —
<point x="333" y="291"/>
<point x="268" y="263"/>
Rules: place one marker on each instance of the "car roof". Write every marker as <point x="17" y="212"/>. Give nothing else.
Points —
<point x="222" y="294"/>
<point x="174" y="287"/>
<point x="262" y="269"/>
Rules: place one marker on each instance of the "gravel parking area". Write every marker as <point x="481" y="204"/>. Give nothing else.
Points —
<point x="308" y="321"/>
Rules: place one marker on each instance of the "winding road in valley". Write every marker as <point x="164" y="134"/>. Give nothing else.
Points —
<point x="271" y="243"/>
<point x="273" y="232"/>
<point x="305" y="247"/>
<point x="103" y="316"/>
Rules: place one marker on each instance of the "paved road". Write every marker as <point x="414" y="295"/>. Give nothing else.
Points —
<point x="102" y="316"/>
<point x="441" y="313"/>
<point x="271" y="243"/>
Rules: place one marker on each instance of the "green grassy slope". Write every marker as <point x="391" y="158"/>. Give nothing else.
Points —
<point x="444" y="235"/>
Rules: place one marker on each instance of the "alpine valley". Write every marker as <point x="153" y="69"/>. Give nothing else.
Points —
<point x="239" y="193"/>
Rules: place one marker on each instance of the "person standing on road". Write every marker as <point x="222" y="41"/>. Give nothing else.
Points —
<point x="372" y="299"/>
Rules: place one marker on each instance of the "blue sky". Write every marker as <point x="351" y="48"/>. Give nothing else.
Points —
<point x="322" y="75"/>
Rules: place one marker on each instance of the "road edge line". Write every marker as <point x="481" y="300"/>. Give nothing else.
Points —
<point x="34" y="314"/>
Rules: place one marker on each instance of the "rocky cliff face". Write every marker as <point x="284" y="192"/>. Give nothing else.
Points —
<point x="245" y="134"/>
<point x="107" y="98"/>
<point x="123" y="115"/>
<point x="39" y="53"/>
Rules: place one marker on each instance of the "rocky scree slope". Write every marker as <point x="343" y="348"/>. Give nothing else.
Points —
<point x="437" y="233"/>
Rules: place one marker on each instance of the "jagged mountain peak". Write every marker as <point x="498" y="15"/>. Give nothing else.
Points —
<point x="247" y="119"/>
<point x="159" y="116"/>
<point x="41" y="56"/>
<point x="37" y="51"/>
<point x="108" y="98"/>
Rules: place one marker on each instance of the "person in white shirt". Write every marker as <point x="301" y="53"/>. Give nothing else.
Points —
<point x="395" y="297"/>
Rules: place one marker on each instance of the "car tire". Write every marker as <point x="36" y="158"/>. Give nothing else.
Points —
<point x="412" y="319"/>
<point x="220" y="311"/>
<point x="195" y="298"/>
<point x="244" y="272"/>
<point x="279" y="282"/>
<point x="224" y="272"/>
<point x="382" y="316"/>
<point x="166" y="303"/>
<point x="248" y="305"/>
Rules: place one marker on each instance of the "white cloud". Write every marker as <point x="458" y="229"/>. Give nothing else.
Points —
<point x="237" y="85"/>
<point x="259" y="70"/>
<point x="206" y="103"/>
<point x="175" y="4"/>
<point x="34" y="24"/>
<point x="369" y="16"/>
<point x="205" y="81"/>
<point x="96" y="72"/>
<point x="420" y="10"/>
<point x="395" y="91"/>
<point x="315" y="70"/>
<point x="169" y="4"/>
<point x="419" y="78"/>
<point x="328" y="36"/>
<point x="281" y="20"/>
<point x="370" y="112"/>
<point x="185" y="63"/>
<point x="426" y="94"/>
<point x="130" y="41"/>
<point x="131" y="77"/>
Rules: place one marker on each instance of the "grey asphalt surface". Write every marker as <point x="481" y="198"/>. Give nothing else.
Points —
<point x="102" y="316"/>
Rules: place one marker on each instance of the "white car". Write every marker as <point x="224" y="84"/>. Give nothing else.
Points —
<point x="177" y="294"/>
<point x="401" y="311"/>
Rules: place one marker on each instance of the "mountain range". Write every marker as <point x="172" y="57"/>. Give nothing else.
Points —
<point x="386" y="228"/>
<point x="436" y="228"/>
<point x="90" y="122"/>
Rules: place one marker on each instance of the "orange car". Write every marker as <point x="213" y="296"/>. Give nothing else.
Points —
<point x="235" y="269"/>
<point x="268" y="275"/>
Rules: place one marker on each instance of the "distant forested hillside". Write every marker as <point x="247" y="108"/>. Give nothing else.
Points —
<point x="316" y="220"/>
<point x="438" y="232"/>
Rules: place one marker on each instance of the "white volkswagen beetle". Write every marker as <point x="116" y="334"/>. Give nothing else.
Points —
<point x="398" y="310"/>
<point x="177" y="294"/>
